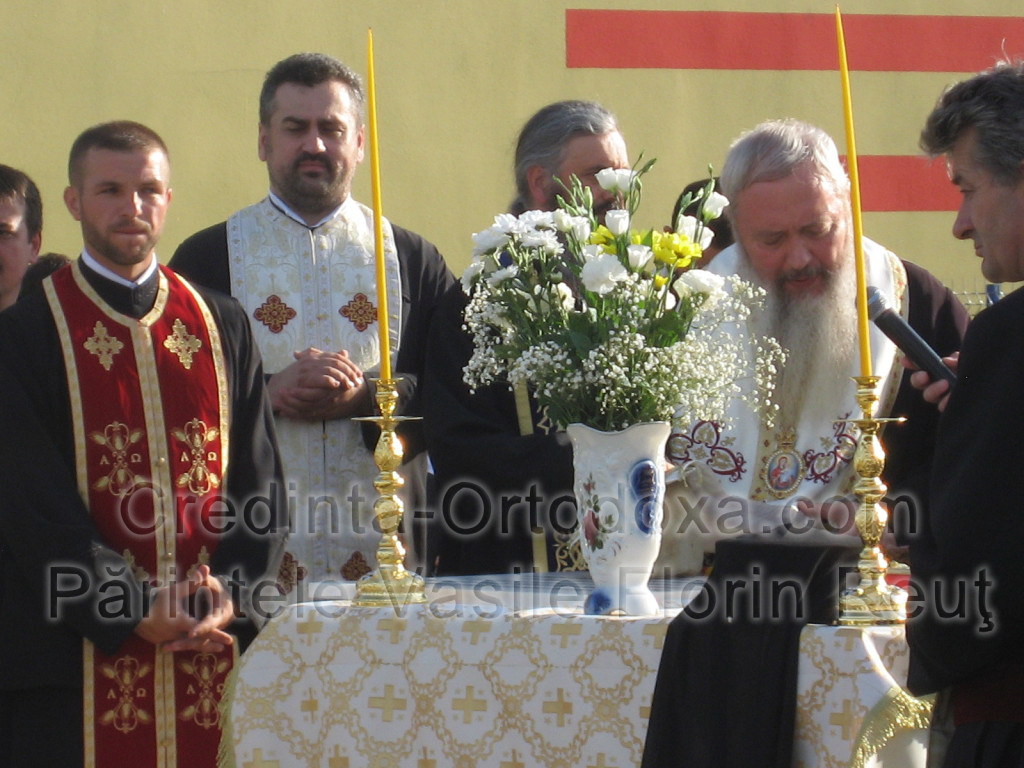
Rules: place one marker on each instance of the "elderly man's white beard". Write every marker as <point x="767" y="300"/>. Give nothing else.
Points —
<point x="819" y="334"/>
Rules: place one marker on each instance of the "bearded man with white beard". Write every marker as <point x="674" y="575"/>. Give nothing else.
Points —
<point x="790" y="209"/>
<point x="726" y="689"/>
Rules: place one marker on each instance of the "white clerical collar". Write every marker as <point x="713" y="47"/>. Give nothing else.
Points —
<point x="282" y="206"/>
<point x="101" y="270"/>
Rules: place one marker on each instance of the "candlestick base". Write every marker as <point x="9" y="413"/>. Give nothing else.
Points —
<point x="389" y="583"/>
<point x="873" y="601"/>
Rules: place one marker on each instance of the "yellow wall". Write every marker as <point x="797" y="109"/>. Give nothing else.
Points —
<point x="456" y="79"/>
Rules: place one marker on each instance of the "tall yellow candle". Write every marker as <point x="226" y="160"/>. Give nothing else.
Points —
<point x="858" y="230"/>
<point x="378" y="226"/>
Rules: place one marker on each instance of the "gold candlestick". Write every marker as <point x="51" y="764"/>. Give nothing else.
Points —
<point x="389" y="584"/>
<point x="873" y="601"/>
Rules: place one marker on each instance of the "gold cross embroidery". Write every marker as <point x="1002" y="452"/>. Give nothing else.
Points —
<point x="182" y="343"/>
<point x="103" y="345"/>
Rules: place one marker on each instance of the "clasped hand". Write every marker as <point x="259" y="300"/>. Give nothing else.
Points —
<point x="171" y="625"/>
<point x="320" y="386"/>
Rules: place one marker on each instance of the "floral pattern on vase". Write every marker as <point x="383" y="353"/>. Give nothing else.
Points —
<point x="620" y="485"/>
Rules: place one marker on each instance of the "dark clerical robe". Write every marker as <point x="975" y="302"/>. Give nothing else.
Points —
<point x="966" y="630"/>
<point x="134" y="449"/>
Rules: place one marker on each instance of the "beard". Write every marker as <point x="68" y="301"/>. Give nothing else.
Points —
<point x="314" y="195"/>
<point x="103" y="244"/>
<point x="819" y="334"/>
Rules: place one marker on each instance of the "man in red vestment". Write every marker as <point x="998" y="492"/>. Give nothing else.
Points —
<point x="141" y="522"/>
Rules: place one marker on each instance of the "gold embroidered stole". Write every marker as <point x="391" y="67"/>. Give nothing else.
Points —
<point x="773" y="465"/>
<point x="149" y="403"/>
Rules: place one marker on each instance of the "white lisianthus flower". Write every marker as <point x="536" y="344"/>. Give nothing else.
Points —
<point x="615" y="179"/>
<point x="563" y="220"/>
<point x="600" y="273"/>
<point x="565" y="297"/>
<point x="558" y="295"/>
<point x="592" y="251"/>
<point x="640" y="257"/>
<point x="581" y="228"/>
<point x="688" y="226"/>
<point x="670" y="300"/>
<point x="471" y="273"/>
<point x="578" y="226"/>
<point x="501" y="275"/>
<point x="617" y="221"/>
<point x="701" y="281"/>
<point x="714" y="205"/>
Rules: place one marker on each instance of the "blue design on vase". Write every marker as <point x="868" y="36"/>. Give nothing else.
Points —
<point x="598" y="603"/>
<point x="643" y="482"/>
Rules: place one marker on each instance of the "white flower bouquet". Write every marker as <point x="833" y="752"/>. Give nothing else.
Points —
<point x="608" y="324"/>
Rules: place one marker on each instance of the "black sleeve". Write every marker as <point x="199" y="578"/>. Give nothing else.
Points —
<point x="203" y="258"/>
<point x="941" y="320"/>
<point x="46" y="532"/>
<point x="474" y="442"/>
<point x="248" y="555"/>
<point x="477" y="435"/>
<point x="973" y="537"/>
<point x="425" y="280"/>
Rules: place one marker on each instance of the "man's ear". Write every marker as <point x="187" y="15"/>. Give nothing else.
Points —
<point x="72" y="201"/>
<point x="261" y="142"/>
<point x="539" y="181"/>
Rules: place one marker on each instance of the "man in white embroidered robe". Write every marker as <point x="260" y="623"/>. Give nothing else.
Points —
<point x="302" y="264"/>
<point x="790" y="209"/>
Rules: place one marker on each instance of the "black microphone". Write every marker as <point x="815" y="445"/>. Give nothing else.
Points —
<point x="906" y="338"/>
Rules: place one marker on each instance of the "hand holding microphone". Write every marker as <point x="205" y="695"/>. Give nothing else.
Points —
<point x="907" y="339"/>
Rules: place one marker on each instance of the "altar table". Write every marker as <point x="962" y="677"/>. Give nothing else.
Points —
<point x="496" y="684"/>
<point x="852" y="710"/>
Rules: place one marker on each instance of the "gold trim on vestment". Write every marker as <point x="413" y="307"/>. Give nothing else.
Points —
<point x="896" y="711"/>
<point x="223" y="390"/>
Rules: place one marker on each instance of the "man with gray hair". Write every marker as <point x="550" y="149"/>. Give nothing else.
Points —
<point x="562" y="140"/>
<point x="791" y="214"/>
<point x="502" y="471"/>
<point x="790" y="210"/>
<point x="966" y="638"/>
<point x="302" y="263"/>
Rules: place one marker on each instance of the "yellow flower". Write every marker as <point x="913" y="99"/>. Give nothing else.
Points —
<point x="601" y="236"/>
<point x="674" y="249"/>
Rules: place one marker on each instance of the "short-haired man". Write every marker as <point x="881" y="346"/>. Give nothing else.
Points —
<point x="143" y="500"/>
<point x="967" y="638"/>
<point x="21" y="230"/>
<point x="494" y="444"/>
<point x="301" y="262"/>
<point x="790" y="211"/>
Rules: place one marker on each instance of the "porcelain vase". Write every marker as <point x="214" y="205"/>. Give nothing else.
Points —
<point x="620" y="485"/>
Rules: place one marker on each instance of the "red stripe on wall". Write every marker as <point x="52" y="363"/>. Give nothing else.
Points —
<point x="786" y="41"/>
<point x="905" y="183"/>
